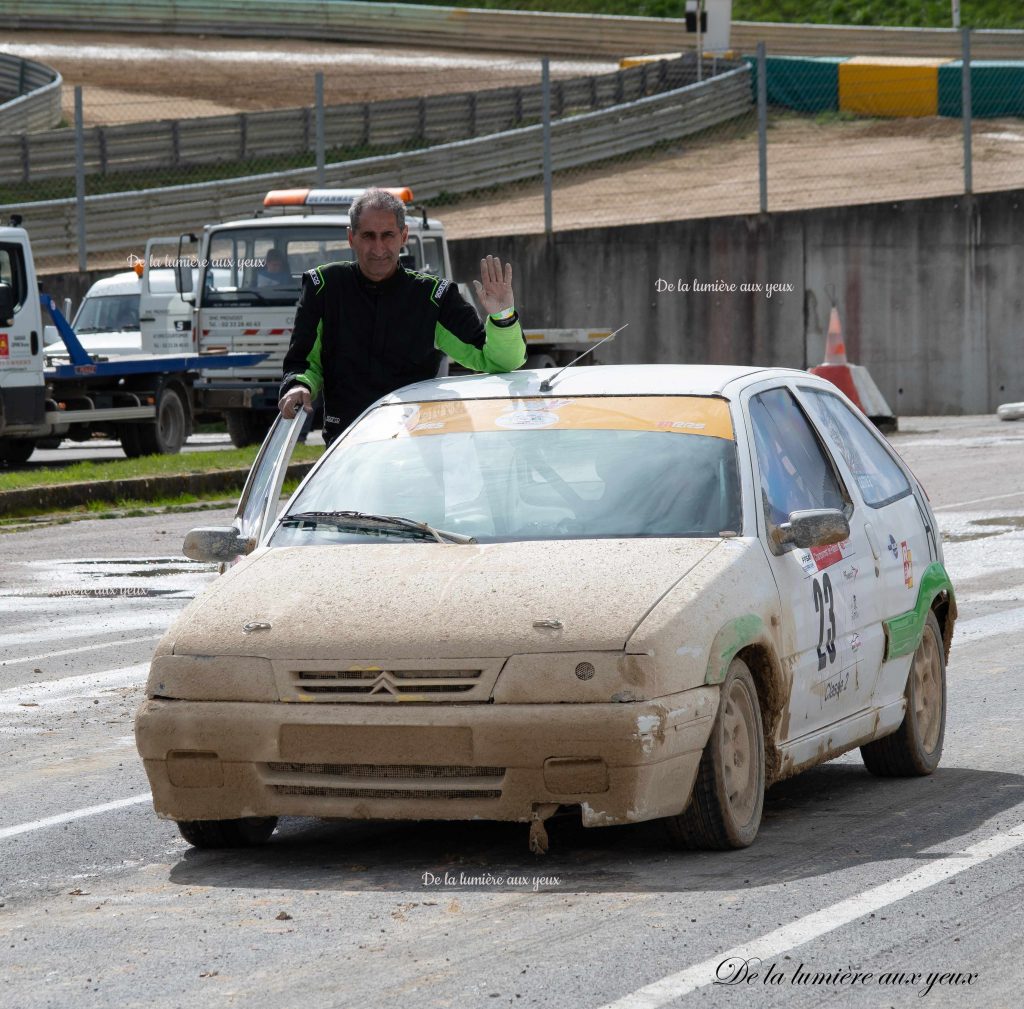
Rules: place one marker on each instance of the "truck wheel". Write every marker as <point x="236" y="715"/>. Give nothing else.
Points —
<point x="128" y="436"/>
<point x="16" y="451"/>
<point x="247" y="427"/>
<point x="167" y="433"/>
<point x="227" y="833"/>
<point x="540" y="361"/>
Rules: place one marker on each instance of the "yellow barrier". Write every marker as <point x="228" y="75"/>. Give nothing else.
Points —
<point x="889" y="86"/>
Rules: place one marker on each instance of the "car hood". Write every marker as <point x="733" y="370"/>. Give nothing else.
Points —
<point x="435" y="601"/>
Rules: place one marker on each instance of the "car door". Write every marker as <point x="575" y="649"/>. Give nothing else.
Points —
<point x="831" y="633"/>
<point x="897" y="522"/>
<point x="165" y="319"/>
<point x="261" y="495"/>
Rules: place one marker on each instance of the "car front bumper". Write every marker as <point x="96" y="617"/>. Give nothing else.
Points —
<point x="621" y="763"/>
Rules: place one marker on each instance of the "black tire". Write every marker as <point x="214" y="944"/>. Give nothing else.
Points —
<point x="247" y="427"/>
<point x="128" y="436"/>
<point x="540" y="361"/>
<point x="245" y="833"/>
<point x="728" y="795"/>
<point x="915" y="748"/>
<point x="169" y="431"/>
<point x="16" y="451"/>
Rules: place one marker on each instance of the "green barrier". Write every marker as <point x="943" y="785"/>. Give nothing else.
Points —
<point x="997" y="88"/>
<point x="805" y="83"/>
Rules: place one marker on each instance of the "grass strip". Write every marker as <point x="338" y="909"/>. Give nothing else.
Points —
<point x="184" y="464"/>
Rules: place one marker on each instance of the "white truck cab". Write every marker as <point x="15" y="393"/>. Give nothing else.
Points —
<point x="22" y="392"/>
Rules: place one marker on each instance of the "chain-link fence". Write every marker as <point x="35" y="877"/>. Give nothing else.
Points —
<point x="169" y="140"/>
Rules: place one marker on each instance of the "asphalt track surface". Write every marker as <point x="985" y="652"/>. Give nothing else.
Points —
<point x="101" y="904"/>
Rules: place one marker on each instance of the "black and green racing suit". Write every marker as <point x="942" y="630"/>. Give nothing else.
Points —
<point x="357" y="340"/>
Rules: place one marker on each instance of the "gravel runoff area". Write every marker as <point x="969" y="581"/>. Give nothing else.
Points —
<point x="819" y="161"/>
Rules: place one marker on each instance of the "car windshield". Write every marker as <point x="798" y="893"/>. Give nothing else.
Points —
<point x="108" y="313"/>
<point x="526" y="469"/>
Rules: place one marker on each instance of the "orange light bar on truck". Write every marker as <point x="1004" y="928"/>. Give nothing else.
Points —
<point x="326" y="197"/>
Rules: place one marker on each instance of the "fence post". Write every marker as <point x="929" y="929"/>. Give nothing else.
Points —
<point x="762" y="126"/>
<point x="965" y="111"/>
<point x="80" y="177"/>
<point x="545" y="82"/>
<point x="320" y="146"/>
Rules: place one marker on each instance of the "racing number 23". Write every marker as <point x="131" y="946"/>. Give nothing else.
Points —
<point x="826" y="631"/>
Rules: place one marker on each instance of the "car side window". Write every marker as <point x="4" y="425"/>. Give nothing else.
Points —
<point x="796" y="470"/>
<point x="12" y="272"/>
<point x="879" y="478"/>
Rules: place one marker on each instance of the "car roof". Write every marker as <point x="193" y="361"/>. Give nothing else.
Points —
<point x="120" y="283"/>
<point x="600" y="380"/>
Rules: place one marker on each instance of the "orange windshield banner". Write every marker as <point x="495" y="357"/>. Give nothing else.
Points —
<point x="670" y="414"/>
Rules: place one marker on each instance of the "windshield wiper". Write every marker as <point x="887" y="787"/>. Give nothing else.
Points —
<point x="384" y="523"/>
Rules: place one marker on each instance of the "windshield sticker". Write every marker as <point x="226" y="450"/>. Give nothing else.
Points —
<point x="527" y="418"/>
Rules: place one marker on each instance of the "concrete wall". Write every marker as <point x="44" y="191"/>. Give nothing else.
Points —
<point x="930" y="292"/>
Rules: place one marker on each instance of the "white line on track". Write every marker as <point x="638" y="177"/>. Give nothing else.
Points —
<point x="818" y="923"/>
<point x="74" y="651"/>
<point x="75" y="814"/>
<point x="48" y="692"/>
<point x="977" y="500"/>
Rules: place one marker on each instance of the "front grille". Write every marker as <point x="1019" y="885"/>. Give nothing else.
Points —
<point x="419" y="771"/>
<point x="385" y="684"/>
<point x="387" y="793"/>
<point x="386" y="781"/>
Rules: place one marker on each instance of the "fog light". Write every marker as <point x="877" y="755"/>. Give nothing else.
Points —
<point x="585" y="671"/>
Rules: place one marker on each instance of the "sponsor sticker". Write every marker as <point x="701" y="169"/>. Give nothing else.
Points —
<point x="908" y="564"/>
<point x="5" y="345"/>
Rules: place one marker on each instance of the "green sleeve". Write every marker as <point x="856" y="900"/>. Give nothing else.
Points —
<point x="313" y="376"/>
<point x="504" y="348"/>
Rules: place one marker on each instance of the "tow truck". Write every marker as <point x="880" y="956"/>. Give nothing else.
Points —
<point x="145" y="401"/>
<point x="239" y="305"/>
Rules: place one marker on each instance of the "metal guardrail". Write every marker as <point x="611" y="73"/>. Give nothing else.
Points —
<point x="551" y="34"/>
<point x="432" y="119"/>
<point x="118" y="221"/>
<point x="848" y="40"/>
<point x="29" y="96"/>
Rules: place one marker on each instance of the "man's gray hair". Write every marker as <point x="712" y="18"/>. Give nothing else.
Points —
<point x="376" y="199"/>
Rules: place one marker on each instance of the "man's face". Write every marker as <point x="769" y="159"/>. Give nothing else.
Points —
<point x="377" y="243"/>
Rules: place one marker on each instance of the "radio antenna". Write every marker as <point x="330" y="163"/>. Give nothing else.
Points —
<point x="545" y="386"/>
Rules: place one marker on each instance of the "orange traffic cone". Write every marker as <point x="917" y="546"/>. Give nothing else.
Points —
<point x="853" y="379"/>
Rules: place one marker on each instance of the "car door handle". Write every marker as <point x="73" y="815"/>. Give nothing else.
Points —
<point x="147" y="318"/>
<point x="876" y="549"/>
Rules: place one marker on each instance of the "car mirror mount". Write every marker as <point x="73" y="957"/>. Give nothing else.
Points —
<point x="215" y="543"/>
<point x="813" y="527"/>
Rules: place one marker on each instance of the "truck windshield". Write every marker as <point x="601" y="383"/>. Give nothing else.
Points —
<point x="264" y="265"/>
<point x="108" y="313"/>
<point x="501" y="469"/>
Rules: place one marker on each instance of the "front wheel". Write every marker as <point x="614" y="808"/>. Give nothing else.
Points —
<point x="728" y="795"/>
<point x="16" y="451"/>
<point x="915" y="748"/>
<point x="244" y="833"/>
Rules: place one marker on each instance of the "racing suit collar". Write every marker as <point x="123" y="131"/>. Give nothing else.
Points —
<point x="377" y="285"/>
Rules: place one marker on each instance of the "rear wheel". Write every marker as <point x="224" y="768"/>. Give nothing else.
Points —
<point x="168" y="432"/>
<point x="728" y="795"/>
<point x="247" y="427"/>
<point x="16" y="451"/>
<point x="244" y="833"/>
<point x="915" y="748"/>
